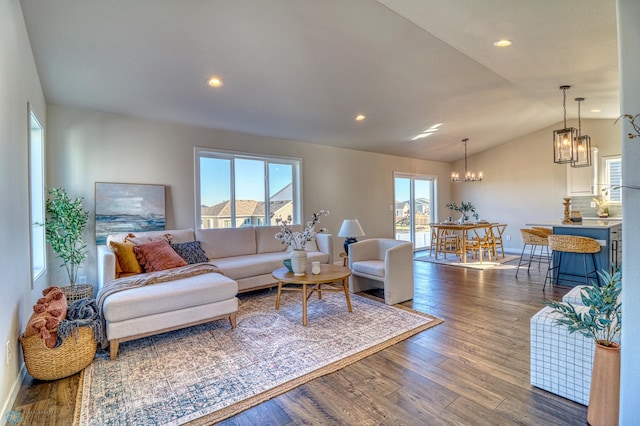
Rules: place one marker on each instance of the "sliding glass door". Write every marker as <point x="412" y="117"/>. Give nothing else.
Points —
<point x="414" y="208"/>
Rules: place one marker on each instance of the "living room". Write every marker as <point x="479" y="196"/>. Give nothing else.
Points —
<point x="84" y="146"/>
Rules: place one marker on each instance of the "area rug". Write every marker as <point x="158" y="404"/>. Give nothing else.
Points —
<point x="452" y="260"/>
<point x="206" y="373"/>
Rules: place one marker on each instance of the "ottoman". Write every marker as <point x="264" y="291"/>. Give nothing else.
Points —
<point x="161" y="307"/>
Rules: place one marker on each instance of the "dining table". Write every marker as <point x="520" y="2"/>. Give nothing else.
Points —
<point x="446" y="228"/>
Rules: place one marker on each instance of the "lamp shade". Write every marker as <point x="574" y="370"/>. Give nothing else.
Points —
<point x="351" y="228"/>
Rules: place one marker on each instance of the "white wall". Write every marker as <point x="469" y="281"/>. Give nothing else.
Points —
<point x="629" y="53"/>
<point x="87" y="147"/>
<point x="19" y="84"/>
<point x="522" y="184"/>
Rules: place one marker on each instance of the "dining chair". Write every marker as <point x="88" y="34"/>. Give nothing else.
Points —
<point x="496" y="231"/>
<point x="482" y="241"/>
<point x="443" y="241"/>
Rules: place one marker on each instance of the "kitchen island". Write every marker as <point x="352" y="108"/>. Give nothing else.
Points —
<point x="607" y="232"/>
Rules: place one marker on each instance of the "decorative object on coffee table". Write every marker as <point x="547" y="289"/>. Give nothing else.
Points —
<point x="298" y="262"/>
<point x="297" y="241"/>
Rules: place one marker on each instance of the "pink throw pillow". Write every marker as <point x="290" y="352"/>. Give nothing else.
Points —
<point x="158" y="256"/>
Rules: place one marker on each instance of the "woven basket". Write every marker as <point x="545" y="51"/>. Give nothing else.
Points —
<point x="77" y="292"/>
<point x="73" y="355"/>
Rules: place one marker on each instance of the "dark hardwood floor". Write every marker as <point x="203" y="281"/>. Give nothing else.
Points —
<point x="471" y="370"/>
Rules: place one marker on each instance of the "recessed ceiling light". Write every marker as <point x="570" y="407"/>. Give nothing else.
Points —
<point x="595" y="110"/>
<point x="502" y="43"/>
<point x="360" y="117"/>
<point x="215" y="82"/>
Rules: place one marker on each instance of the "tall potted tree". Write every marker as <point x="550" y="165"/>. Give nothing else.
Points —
<point x="602" y="323"/>
<point x="66" y="219"/>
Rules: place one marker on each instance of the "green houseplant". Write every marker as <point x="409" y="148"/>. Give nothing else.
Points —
<point x="464" y="209"/>
<point x="65" y="221"/>
<point x="602" y="323"/>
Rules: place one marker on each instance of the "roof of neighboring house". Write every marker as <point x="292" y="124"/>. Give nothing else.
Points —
<point x="243" y="208"/>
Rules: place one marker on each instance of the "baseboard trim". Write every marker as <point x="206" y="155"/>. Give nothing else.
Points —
<point x="8" y="404"/>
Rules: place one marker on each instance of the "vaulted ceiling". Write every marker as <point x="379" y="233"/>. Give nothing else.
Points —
<point x="303" y="69"/>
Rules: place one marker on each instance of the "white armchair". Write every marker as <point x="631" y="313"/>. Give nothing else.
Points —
<point x="381" y="262"/>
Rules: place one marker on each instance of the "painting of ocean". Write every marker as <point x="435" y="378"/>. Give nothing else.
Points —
<point x="124" y="207"/>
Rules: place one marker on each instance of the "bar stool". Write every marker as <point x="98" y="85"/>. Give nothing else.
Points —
<point x="534" y="238"/>
<point x="572" y="244"/>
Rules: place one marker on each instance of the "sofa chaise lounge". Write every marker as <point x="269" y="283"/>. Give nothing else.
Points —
<point x="240" y="259"/>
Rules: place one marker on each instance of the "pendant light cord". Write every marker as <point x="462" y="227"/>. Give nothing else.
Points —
<point x="564" y="105"/>
<point x="465" y="157"/>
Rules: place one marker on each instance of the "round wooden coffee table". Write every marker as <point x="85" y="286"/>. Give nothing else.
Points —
<point x="328" y="275"/>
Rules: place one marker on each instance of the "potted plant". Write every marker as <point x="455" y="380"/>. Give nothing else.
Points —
<point x="602" y="323"/>
<point x="464" y="208"/>
<point x="65" y="221"/>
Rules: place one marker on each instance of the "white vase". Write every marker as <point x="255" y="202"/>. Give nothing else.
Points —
<point x="298" y="262"/>
<point x="462" y="220"/>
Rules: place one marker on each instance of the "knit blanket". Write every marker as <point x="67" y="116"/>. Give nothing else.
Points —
<point x="140" y="280"/>
<point x="81" y="313"/>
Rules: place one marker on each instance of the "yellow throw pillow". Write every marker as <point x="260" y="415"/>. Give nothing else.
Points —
<point x="126" y="257"/>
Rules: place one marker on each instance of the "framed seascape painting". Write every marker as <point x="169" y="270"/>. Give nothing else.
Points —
<point x="126" y="207"/>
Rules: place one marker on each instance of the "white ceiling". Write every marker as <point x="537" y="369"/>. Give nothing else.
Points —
<point x="302" y="69"/>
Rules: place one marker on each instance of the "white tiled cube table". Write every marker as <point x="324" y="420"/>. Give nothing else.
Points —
<point x="573" y="296"/>
<point x="560" y="362"/>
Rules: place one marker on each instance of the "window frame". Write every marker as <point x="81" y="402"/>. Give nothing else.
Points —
<point x="37" y="206"/>
<point x="606" y="170"/>
<point x="294" y="162"/>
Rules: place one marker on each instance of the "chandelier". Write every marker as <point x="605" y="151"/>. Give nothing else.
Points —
<point x="468" y="175"/>
<point x="566" y="139"/>
<point x="583" y="144"/>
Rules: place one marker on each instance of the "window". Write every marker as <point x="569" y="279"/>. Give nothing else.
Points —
<point x="613" y="178"/>
<point x="238" y="189"/>
<point x="37" y="196"/>
<point x="414" y="199"/>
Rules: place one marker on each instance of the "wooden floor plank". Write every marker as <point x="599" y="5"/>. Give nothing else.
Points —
<point x="471" y="370"/>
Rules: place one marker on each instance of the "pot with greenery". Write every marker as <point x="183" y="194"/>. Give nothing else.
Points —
<point x="602" y="323"/>
<point x="66" y="220"/>
<point x="464" y="209"/>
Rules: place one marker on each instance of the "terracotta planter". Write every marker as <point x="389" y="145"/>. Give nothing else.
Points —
<point x="298" y="262"/>
<point x="604" y="396"/>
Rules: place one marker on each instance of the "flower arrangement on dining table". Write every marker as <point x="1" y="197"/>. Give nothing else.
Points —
<point x="464" y="208"/>
<point x="298" y="240"/>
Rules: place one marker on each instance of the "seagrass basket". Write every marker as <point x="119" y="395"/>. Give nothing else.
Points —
<point x="77" y="292"/>
<point x="73" y="355"/>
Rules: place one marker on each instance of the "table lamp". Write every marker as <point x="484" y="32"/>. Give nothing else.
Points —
<point x="350" y="229"/>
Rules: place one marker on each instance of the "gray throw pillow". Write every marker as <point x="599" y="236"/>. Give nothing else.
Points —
<point x="191" y="252"/>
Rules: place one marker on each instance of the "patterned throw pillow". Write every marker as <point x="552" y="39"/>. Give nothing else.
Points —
<point x="157" y="256"/>
<point x="191" y="252"/>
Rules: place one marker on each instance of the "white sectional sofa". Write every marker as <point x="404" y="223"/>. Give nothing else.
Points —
<point x="245" y="257"/>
